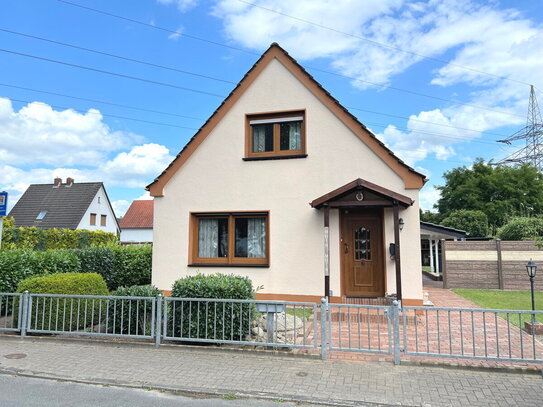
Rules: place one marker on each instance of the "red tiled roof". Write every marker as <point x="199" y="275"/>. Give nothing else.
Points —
<point x="139" y="215"/>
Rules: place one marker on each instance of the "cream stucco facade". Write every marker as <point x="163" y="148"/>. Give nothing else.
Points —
<point x="215" y="178"/>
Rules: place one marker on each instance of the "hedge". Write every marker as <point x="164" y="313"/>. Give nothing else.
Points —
<point x="44" y="239"/>
<point x="193" y="319"/>
<point x="67" y="313"/>
<point x="135" y="315"/>
<point x="17" y="265"/>
<point x="521" y="229"/>
<point x="118" y="265"/>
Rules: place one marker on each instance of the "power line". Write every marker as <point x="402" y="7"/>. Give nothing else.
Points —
<point x="307" y="67"/>
<point x="192" y="37"/>
<point x="105" y="114"/>
<point x="383" y="125"/>
<point x="101" y="101"/>
<point x="138" y="61"/>
<point x="113" y="73"/>
<point x="381" y="44"/>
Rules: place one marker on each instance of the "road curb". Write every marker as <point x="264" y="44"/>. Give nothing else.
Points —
<point x="191" y="392"/>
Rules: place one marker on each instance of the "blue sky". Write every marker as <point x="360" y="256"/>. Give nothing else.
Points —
<point x="436" y="113"/>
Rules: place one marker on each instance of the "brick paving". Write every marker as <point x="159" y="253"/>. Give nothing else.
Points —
<point x="438" y="332"/>
<point x="261" y="374"/>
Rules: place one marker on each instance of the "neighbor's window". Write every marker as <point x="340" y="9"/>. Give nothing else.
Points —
<point x="275" y="135"/>
<point x="93" y="219"/>
<point x="41" y="215"/>
<point x="230" y="238"/>
<point x="103" y="219"/>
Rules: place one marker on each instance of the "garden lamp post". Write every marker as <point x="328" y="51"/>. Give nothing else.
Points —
<point x="531" y="268"/>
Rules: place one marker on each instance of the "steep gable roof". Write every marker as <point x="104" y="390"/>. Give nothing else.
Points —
<point x="65" y="205"/>
<point x="412" y="179"/>
<point x="139" y="215"/>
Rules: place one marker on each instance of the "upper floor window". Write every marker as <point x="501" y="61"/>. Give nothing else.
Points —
<point x="275" y="135"/>
<point x="93" y="219"/>
<point x="103" y="220"/>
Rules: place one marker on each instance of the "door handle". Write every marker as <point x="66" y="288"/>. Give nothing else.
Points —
<point x="346" y="247"/>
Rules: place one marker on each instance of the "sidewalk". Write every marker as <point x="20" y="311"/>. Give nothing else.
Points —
<point x="252" y="374"/>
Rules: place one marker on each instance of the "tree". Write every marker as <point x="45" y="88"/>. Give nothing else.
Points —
<point x="475" y="223"/>
<point x="429" y="216"/>
<point x="501" y="192"/>
<point x="521" y="229"/>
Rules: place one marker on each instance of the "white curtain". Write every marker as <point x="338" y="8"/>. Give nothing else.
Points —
<point x="294" y="134"/>
<point x="256" y="237"/>
<point x="259" y="139"/>
<point x="208" y="238"/>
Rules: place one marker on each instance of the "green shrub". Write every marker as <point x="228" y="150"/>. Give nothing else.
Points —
<point x="43" y="239"/>
<point x="17" y="265"/>
<point x="521" y="229"/>
<point x="132" y="317"/>
<point x="97" y="260"/>
<point x="205" y="319"/>
<point x="73" y="314"/>
<point x="131" y="266"/>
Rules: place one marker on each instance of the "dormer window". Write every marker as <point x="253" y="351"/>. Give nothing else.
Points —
<point x="41" y="215"/>
<point x="275" y="135"/>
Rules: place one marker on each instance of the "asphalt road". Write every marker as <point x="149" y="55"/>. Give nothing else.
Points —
<point x="28" y="392"/>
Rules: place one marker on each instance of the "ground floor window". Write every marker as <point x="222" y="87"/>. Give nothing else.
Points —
<point x="234" y="238"/>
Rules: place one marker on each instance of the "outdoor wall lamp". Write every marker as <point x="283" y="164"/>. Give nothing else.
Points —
<point x="401" y="223"/>
<point x="531" y="268"/>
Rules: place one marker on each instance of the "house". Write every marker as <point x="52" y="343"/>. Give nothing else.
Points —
<point x="137" y="224"/>
<point x="283" y="185"/>
<point x="69" y="205"/>
<point x="431" y="236"/>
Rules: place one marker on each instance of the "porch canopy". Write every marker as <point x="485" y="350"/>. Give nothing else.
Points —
<point x="361" y="194"/>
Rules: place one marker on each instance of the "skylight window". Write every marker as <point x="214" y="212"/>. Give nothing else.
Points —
<point x="41" y="215"/>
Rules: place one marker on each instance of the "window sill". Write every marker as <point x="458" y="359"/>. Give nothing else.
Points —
<point x="228" y="265"/>
<point x="275" y="157"/>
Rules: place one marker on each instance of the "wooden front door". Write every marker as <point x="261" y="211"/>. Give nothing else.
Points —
<point x="362" y="250"/>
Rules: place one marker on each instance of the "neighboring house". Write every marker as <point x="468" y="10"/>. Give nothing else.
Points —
<point x="431" y="236"/>
<point x="137" y="224"/>
<point x="283" y="185"/>
<point x="72" y="205"/>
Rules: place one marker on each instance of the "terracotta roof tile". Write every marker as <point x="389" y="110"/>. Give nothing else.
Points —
<point x="139" y="215"/>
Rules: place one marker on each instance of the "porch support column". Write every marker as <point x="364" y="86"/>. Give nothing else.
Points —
<point x="326" y="250"/>
<point x="437" y="257"/>
<point x="431" y="254"/>
<point x="397" y="257"/>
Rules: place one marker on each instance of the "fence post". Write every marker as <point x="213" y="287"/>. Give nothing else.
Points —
<point x="24" y="313"/>
<point x="324" y="341"/>
<point x="158" y="321"/>
<point x="396" y="306"/>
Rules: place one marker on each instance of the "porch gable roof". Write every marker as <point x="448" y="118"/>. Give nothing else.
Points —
<point x="360" y="184"/>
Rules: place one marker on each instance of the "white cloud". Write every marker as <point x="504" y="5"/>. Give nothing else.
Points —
<point x="175" y="36"/>
<point x="182" y="5"/>
<point x="37" y="134"/>
<point x="137" y="167"/>
<point x="120" y="207"/>
<point x="429" y="196"/>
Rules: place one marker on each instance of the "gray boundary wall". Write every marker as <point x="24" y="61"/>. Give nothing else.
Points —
<point x="491" y="264"/>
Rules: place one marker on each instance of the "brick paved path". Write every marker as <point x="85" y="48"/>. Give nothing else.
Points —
<point x="208" y="371"/>
<point x="438" y="332"/>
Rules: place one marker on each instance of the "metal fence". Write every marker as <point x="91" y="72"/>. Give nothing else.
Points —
<point x="470" y="333"/>
<point x="10" y="312"/>
<point x="242" y="322"/>
<point x="131" y="317"/>
<point x="392" y="330"/>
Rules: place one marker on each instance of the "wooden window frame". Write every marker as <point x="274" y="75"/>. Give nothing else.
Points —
<point x="277" y="152"/>
<point x="92" y="219"/>
<point x="103" y="220"/>
<point x="230" y="260"/>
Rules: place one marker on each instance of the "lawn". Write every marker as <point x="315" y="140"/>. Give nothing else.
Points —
<point x="498" y="299"/>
